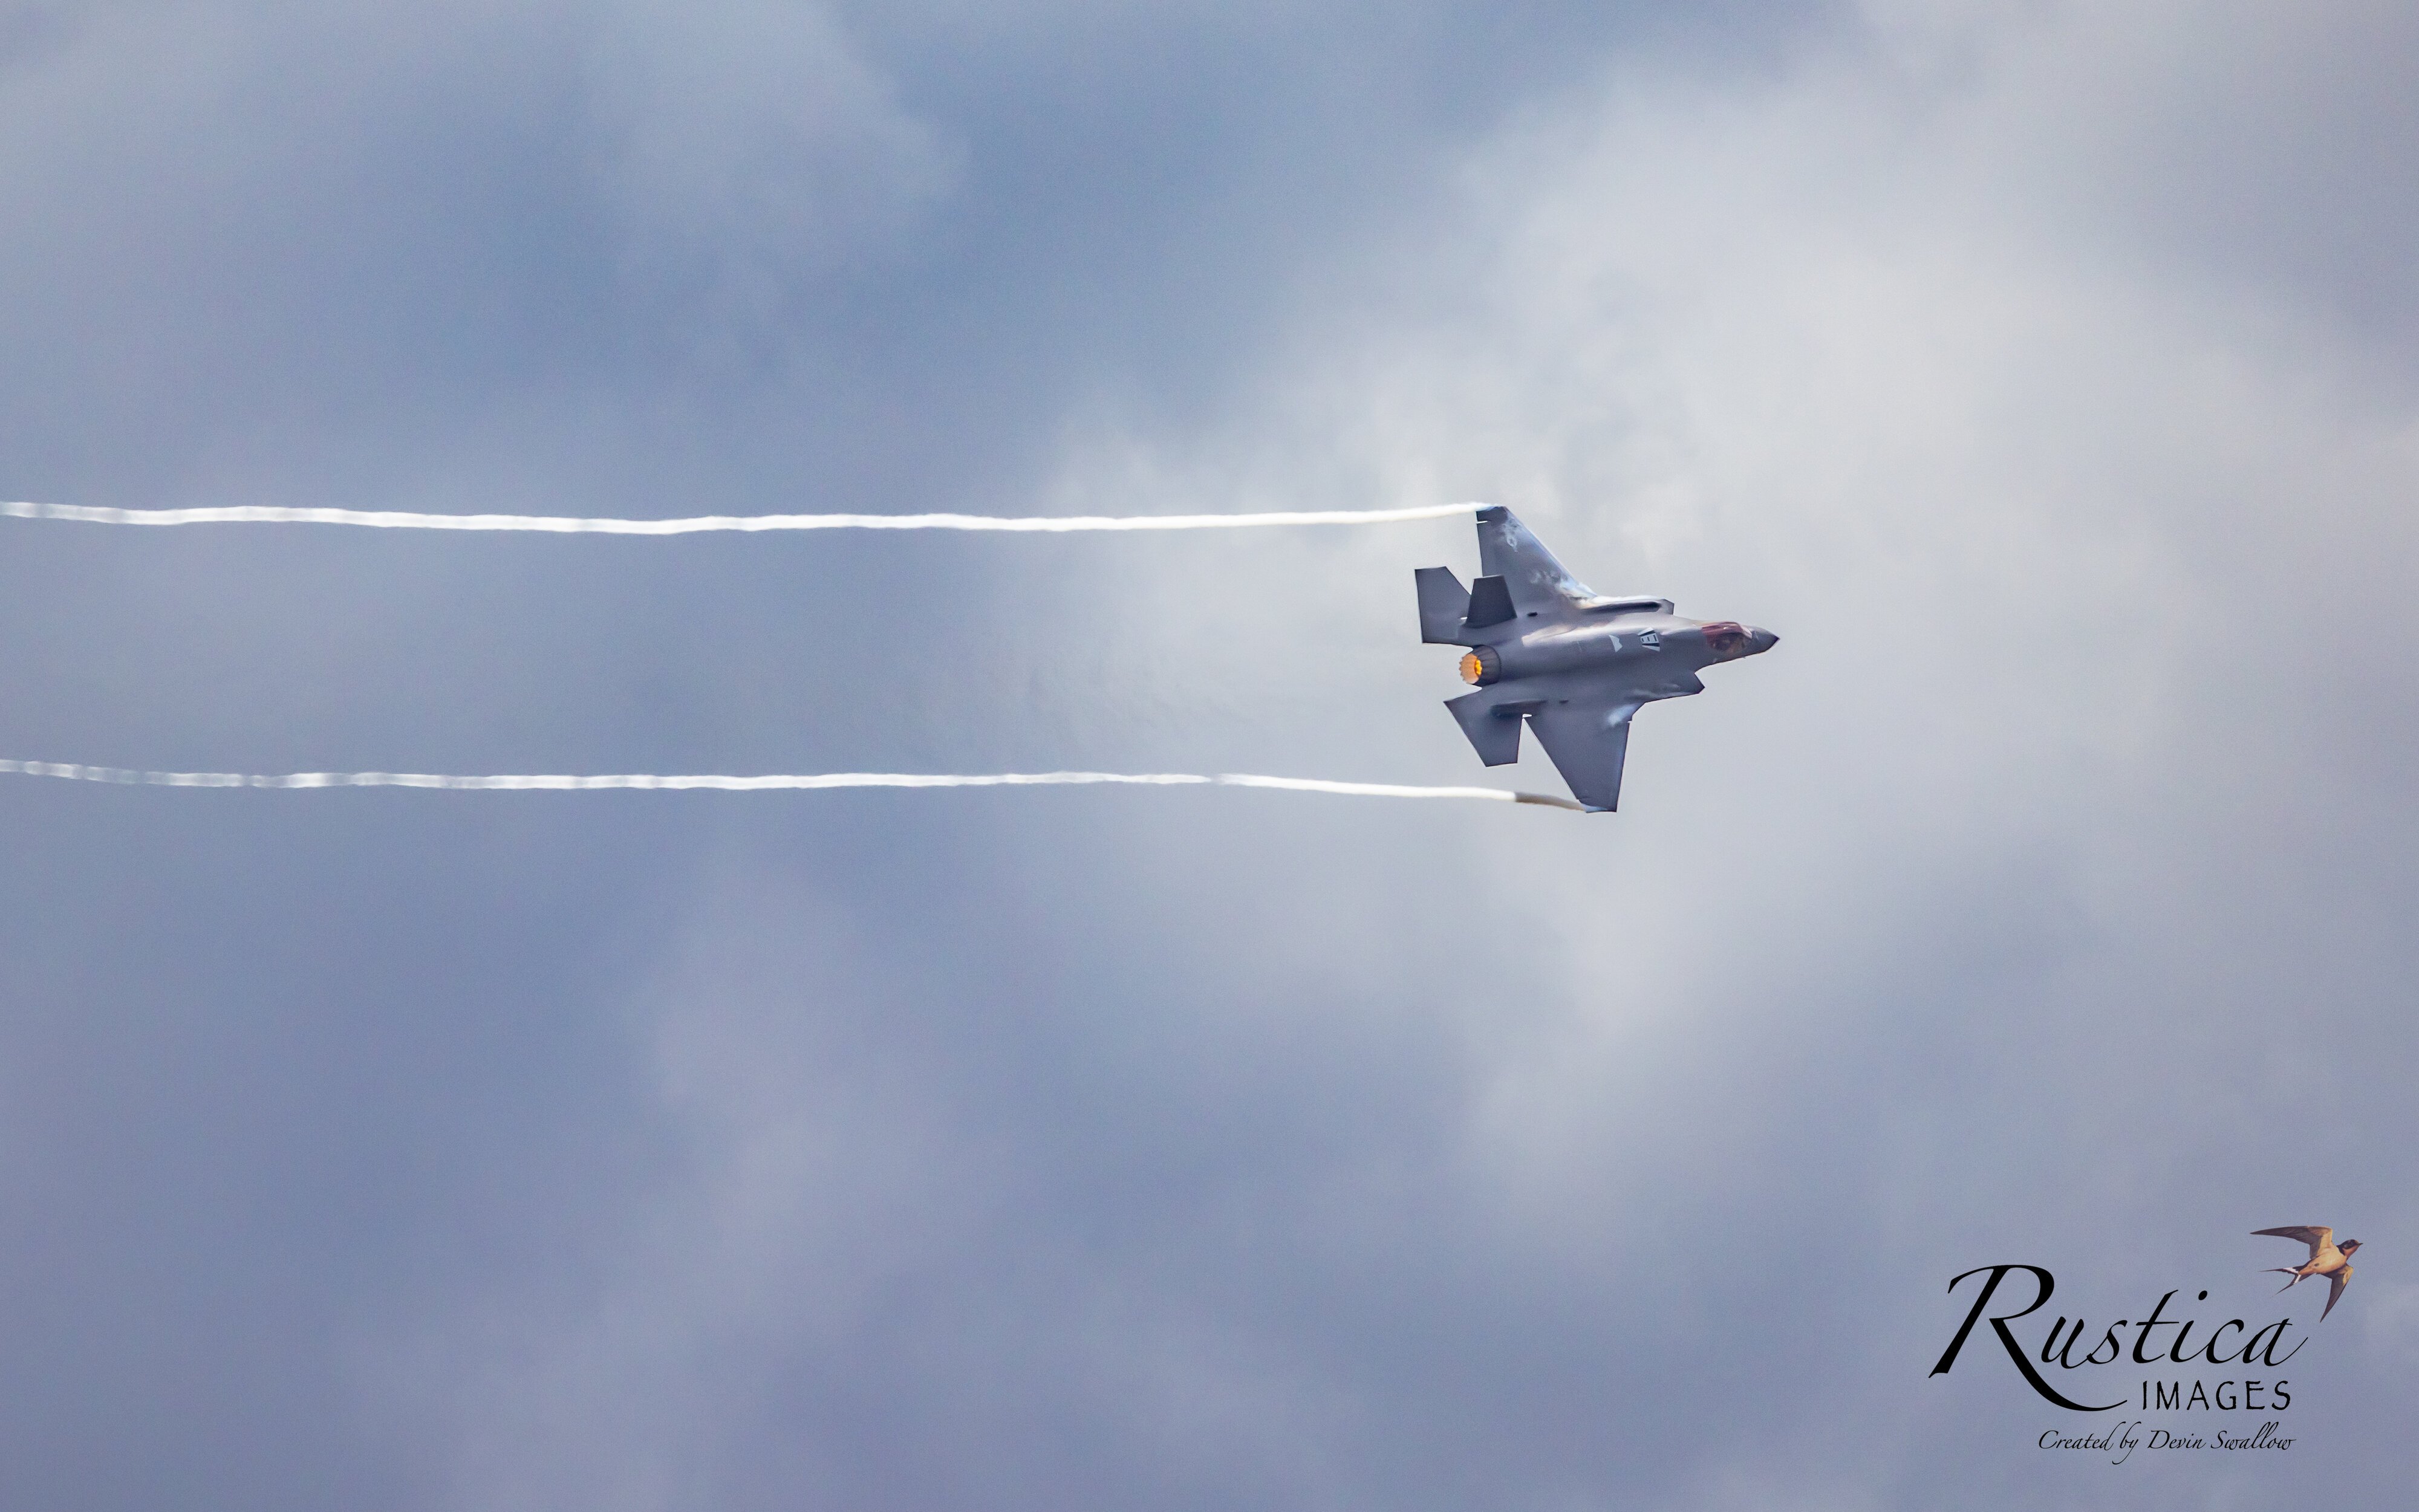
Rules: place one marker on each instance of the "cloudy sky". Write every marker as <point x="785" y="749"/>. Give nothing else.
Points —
<point x="2046" y="373"/>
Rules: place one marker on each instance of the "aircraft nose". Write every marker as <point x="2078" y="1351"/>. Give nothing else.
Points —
<point x="1764" y="639"/>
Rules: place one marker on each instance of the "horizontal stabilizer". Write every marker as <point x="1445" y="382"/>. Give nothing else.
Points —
<point x="1490" y="602"/>
<point x="1443" y="604"/>
<point x="1494" y="732"/>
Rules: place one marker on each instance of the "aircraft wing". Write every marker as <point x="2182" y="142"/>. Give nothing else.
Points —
<point x="1587" y="739"/>
<point x="1538" y="582"/>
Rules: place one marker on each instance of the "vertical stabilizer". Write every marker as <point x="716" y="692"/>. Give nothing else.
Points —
<point x="1444" y="603"/>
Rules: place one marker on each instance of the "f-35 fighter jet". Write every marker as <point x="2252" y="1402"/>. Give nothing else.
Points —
<point x="1574" y="664"/>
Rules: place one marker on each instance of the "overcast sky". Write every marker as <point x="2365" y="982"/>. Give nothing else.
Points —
<point x="2046" y="375"/>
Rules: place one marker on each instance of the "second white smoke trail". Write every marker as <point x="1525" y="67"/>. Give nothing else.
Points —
<point x="541" y="782"/>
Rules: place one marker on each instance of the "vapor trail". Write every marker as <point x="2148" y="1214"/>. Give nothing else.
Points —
<point x="557" y="783"/>
<point x="573" y="525"/>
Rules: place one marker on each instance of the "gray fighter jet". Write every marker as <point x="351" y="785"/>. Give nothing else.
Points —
<point x="1575" y="664"/>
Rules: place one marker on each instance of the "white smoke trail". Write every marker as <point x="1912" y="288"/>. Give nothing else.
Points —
<point x="715" y="782"/>
<point x="573" y="525"/>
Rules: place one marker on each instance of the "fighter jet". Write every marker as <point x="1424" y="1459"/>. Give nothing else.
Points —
<point x="1575" y="664"/>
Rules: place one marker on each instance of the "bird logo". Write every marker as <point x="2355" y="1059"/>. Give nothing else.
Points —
<point x="2327" y="1259"/>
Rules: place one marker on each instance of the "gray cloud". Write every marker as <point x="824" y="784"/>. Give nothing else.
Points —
<point x="2039" y="374"/>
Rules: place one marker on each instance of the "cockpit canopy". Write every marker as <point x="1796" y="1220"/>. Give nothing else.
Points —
<point x="1729" y="640"/>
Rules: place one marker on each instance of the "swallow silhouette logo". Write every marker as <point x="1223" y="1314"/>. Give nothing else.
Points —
<point x="2327" y="1259"/>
